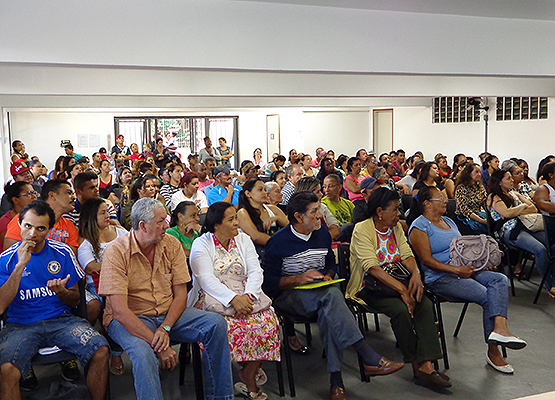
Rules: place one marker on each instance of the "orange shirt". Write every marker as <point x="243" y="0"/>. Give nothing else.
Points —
<point x="63" y="231"/>
<point x="127" y="271"/>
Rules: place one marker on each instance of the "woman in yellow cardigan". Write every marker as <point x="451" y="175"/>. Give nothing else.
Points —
<point x="385" y="276"/>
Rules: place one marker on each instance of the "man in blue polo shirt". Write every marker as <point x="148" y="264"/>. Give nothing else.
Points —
<point x="38" y="286"/>
<point x="223" y="189"/>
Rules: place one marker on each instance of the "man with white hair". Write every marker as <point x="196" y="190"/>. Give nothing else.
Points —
<point x="144" y="278"/>
<point x="293" y="174"/>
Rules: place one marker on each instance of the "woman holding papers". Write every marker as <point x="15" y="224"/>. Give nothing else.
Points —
<point x="385" y="276"/>
<point x="431" y="235"/>
<point x="229" y="282"/>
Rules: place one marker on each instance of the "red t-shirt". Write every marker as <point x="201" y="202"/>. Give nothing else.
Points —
<point x="105" y="185"/>
<point x="63" y="231"/>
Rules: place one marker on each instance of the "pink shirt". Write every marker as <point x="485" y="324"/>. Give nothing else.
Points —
<point x="354" y="196"/>
<point x="202" y="185"/>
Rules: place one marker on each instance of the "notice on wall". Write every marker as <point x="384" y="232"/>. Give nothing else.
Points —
<point x="94" y="141"/>
<point x="82" y="140"/>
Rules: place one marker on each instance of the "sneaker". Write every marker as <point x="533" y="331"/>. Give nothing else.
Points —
<point x="30" y="382"/>
<point x="70" y="371"/>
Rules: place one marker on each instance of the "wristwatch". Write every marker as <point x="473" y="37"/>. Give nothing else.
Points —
<point x="166" y="328"/>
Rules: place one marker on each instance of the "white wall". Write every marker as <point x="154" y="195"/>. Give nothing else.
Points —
<point x="42" y="132"/>
<point x="344" y="132"/>
<point x="217" y="34"/>
<point x="531" y="140"/>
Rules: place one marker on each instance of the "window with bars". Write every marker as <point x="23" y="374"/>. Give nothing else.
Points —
<point x="190" y="132"/>
<point x="518" y="108"/>
<point x="454" y="110"/>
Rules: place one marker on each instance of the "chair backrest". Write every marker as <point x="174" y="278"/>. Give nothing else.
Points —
<point x="451" y="212"/>
<point x="549" y="226"/>
<point x="406" y="203"/>
<point x="81" y="309"/>
<point x="343" y="254"/>
<point x="451" y="208"/>
<point x="490" y="221"/>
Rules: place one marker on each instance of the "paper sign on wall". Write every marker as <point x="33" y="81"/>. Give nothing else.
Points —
<point x="94" y="141"/>
<point x="82" y="140"/>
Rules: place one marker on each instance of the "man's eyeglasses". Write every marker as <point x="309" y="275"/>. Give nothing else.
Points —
<point x="442" y="198"/>
<point x="329" y="186"/>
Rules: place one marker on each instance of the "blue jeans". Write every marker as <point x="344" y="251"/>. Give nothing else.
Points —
<point x="475" y="225"/>
<point x="193" y="326"/>
<point x="338" y="328"/>
<point x="19" y="343"/>
<point x="535" y="243"/>
<point x="488" y="289"/>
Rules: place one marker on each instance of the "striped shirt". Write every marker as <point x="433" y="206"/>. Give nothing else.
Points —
<point x="289" y="253"/>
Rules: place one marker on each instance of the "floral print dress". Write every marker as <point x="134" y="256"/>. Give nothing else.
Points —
<point x="253" y="337"/>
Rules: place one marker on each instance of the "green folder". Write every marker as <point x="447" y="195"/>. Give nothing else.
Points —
<point x="315" y="285"/>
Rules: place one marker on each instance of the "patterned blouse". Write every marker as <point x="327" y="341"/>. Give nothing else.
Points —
<point x="387" y="251"/>
<point x="228" y="261"/>
<point x="525" y="190"/>
<point x="470" y="199"/>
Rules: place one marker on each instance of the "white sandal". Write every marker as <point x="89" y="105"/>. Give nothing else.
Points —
<point x="242" y="389"/>
<point x="261" y="377"/>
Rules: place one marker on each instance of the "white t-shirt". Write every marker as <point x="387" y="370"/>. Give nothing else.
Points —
<point x="85" y="253"/>
<point x="198" y="198"/>
<point x="329" y="219"/>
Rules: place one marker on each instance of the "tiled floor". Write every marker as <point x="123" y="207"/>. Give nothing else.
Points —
<point x="471" y="377"/>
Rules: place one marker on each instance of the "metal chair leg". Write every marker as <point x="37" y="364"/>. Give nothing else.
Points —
<point x="182" y="363"/>
<point x="308" y="335"/>
<point x="461" y="318"/>
<point x="442" y="335"/>
<point x="280" y="379"/>
<point x="377" y="322"/>
<point x="547" y="273"/>
<point x="197" y="370"/>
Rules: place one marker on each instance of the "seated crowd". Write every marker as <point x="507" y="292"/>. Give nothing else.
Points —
<point x="250" y="238"/>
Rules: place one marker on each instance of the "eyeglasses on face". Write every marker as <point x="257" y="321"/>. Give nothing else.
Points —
<point x="442" y="198"/>
<point x="329" y="186"/>
<point x="30" y="193"/>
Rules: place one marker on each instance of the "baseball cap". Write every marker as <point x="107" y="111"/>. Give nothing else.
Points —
<point x="250" y="166"/>
<point x="220" y="169"/>
<point x="18" y="168"/>
<point x="367" y="183"/>
<point x="82" y="160"/>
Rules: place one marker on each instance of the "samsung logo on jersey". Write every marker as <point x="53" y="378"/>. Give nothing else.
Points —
<point x="35" y="293"/>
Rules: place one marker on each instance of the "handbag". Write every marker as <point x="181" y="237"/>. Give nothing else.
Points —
<point x="480" y="251"/>
<point x="377" y="289"/>
<point x="237" y="284"/>
<point x="532" y="222"/>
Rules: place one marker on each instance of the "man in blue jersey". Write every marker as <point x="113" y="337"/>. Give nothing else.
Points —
<point x="301" y="253"/>
<point x="223" y="189"/>
<point x="38" y="286"/>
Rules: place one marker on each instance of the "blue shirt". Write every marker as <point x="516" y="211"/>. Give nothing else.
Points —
<point x="34" y="301"/>
<point x="440" y="240"/>
<point x="218" y="193"/>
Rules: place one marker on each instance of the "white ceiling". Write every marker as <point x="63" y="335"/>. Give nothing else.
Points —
<point x="513" y="9"/>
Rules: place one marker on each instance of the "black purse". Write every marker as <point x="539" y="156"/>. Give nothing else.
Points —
<point x="375" y="288"/>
